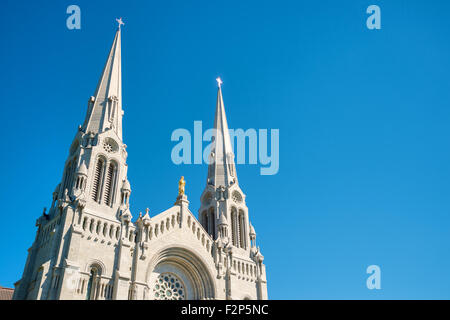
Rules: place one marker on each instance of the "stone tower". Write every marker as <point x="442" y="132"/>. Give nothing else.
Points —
<point x="223" y="212"/>
<point x="88" y="247"/>
<point x="93" y="194"/>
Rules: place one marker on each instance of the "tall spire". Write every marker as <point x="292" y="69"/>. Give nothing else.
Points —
<point x="105" y="107"/>
<point x="221" y="171"/>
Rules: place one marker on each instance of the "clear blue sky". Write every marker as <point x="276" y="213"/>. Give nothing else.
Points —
<point x="363" y="116"/>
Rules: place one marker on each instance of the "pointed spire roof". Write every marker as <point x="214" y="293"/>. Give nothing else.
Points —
<point x="252" y="230"/>
<point x="83" y="169"/>
<point x="222" y="220"/>
<point x="105" y="107"/>
<point x="221" y="171"/>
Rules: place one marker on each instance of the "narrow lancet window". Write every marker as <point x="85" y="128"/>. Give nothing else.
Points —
<point x="242" y="242"/>
<point x="109" y="184"/>
<point x="97" y="179"/>
<point x="234" y="233"/>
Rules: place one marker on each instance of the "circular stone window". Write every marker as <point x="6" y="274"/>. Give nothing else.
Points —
<point x="237" y="197"/>
<point x="110" y="146"/>
<point x="168" y="287"/>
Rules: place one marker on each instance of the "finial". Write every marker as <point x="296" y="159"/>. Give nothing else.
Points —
<point x="120" y="22"/>
<point x="219" y="81"/>
<point x="181" y="185"/>
<point x="147" y="210"/>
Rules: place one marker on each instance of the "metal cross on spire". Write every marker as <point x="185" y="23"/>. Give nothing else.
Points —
<point x="120" y="22"/>
<point x="219" y="81"/>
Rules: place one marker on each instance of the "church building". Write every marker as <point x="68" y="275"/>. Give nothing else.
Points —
<point x="88" y="246"/>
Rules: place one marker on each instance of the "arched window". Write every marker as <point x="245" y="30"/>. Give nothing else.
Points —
<point x="93" y="287"/>
<point x="234" y="227"/>
<point x="90" y="293"/>
<point x="110" y="181"/>
<point x="242" y="237"/>
<point x="80" y="183"/>
<point x="97" y="179"/>
<point x="205" y="221"/>
<point x="212" y="223"/>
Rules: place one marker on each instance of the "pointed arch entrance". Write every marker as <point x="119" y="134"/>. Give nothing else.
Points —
<point x="177" y="273"/>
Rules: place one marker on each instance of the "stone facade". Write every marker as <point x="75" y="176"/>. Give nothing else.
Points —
<point x="87" y="245"/>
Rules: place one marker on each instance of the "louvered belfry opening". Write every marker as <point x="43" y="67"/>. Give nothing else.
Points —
<point x="242" y="229"/>
<point x="212" y="223"/>
<point x="97" y="179"/>
<point x="109" y="184"/>
<point x="234" y="227"/>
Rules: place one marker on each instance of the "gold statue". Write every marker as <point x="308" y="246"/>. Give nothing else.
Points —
<point x="181" y="185"/>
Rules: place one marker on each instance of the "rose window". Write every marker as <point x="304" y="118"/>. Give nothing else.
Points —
<point x="168" y="287"/>
<point x="236" y="196"/>
<point x="109" y="145"/>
